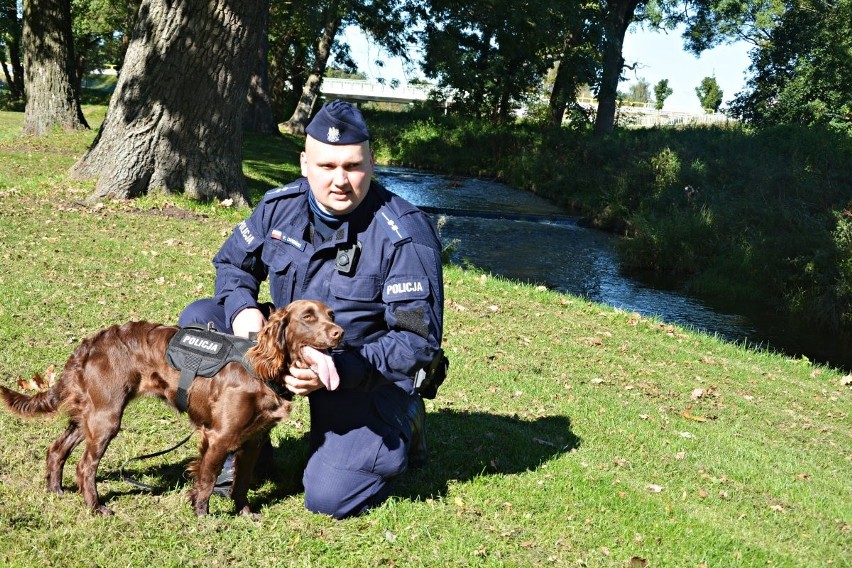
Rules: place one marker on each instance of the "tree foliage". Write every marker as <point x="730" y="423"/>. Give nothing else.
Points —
<point x="489" y="55"/>
<point x="662" y="91"/>
<point x="709" y="94"/>
<point x="803" y="75"/>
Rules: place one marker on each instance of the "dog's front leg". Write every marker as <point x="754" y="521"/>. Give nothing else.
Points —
<point x="245" y="460"/>
<point x="212" y="459"/>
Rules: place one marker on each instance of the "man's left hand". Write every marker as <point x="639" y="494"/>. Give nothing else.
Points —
<point x="321" y="373"/>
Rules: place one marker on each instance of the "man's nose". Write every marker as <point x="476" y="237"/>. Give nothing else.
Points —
<point x="341" y="178"/>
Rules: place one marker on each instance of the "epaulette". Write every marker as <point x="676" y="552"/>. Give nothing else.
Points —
<point x="290" y="190"/>
<point x="390" y="223"/>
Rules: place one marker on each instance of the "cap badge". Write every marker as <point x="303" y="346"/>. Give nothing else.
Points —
<point x="333" y="134"/>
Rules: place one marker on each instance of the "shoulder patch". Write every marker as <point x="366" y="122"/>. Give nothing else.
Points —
<point x="245" y="232"/>
<point x="406" y="288"/>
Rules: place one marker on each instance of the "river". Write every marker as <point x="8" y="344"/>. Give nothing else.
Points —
<point x="518" y="235"/>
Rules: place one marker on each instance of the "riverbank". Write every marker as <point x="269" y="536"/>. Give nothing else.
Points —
<point x="727" y="214"/>
<point x="568" y="433"/>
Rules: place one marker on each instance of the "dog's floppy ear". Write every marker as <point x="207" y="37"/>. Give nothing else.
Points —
<point x="268" y="357"/>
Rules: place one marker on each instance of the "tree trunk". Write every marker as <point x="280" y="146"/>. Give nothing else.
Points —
<point x="619" y="15"/>
<point x="15" y="77"/>
<point x="52" y="99"/>
<point x="257" y="115"/>
<point x="564" y="85"/>
<point x="299" y="121"/>
<point x="173" y="122"/>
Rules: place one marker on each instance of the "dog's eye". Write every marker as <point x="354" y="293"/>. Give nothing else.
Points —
<point x="309" y="317"/>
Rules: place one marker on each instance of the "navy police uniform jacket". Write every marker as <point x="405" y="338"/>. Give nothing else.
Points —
<point x="380" y="272"/>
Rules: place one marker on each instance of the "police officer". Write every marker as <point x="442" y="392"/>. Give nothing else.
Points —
<point x="338" y="236"/>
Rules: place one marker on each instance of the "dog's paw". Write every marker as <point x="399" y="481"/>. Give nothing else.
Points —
<point x="104" y="511"/>
<point x="246" y="513"/>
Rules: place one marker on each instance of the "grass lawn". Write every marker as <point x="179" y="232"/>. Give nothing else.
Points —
<point x="567" y="434"/>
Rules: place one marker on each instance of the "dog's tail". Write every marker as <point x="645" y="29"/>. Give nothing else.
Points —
<point x="45" y="402"/>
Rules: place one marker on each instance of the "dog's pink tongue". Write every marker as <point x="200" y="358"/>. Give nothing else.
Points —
<point x="323" y="365"/>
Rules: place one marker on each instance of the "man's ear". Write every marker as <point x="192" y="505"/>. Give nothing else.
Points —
<point x="303" y="162"/>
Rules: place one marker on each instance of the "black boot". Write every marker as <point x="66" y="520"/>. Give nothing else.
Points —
<point x="226" y="478"/>
<point x="417" y="452"/>
<point x="262" y="469"/>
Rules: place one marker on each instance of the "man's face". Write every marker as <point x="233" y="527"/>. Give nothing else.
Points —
<point x="339" y="175"/>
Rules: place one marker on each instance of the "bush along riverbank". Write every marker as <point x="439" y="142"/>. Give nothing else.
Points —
<point x="724" y="213"/>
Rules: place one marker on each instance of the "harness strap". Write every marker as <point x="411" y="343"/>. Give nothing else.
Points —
<point x="187" y="375"/>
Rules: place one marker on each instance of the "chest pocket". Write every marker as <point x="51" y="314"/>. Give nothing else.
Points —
<point x="282" y="271"/>
<point x="355" y="288"/>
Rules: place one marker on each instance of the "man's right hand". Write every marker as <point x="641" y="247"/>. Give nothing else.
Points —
<point x="247" y="321"/>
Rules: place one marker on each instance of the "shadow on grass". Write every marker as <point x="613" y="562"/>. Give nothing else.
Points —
<point x="462" y="446"/>
<point x="466" y="445"/>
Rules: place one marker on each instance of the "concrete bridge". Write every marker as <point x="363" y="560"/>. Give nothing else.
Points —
<point x="644" y="114"/>
<point x="629" y="114"/>
<point x="355" y="90"/>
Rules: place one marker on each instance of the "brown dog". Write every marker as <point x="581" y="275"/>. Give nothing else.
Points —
<point x="230" y="410"/>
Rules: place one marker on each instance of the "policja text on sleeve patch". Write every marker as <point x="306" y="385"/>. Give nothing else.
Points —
<point x="400" y="289"/>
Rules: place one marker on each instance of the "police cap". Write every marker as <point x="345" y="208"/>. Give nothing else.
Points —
<point x="338" y="123"/>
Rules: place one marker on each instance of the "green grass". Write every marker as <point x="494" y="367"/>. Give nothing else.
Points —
<point x="568" y="433"/>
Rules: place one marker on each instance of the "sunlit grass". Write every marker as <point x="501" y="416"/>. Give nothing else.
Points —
<point x="568" y="433"/>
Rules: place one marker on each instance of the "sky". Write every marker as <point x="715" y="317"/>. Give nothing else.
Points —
<point x="660" y="56"/>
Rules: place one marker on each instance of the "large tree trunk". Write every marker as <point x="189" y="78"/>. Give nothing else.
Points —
<point x="564" y="84"/>
<point x="299" y="121"/>
<point x="49" y="83"/>
<point x="15" y="77"/>
<point x="619" y="14"/>
<point x="173" y="122"/>
<point x="257" y="115"/>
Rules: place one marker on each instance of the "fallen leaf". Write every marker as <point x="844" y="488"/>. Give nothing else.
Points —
<point x="226" y="202"/>
<point x="27" y="384"/>
<point x="50" y="375"/>
<point x="637" y="562"/>
<point x="688" y="415"/>
<point x="846" y="381"/>
<point x="687" y="435"/>
<point x="697" y="393"/>
<point x="778" y="508"/>
<point x="654" y="488"/>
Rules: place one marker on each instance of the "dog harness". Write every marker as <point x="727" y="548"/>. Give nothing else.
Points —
<point x="196" y="351"/>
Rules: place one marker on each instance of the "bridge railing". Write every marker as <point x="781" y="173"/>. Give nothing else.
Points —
<point x="358" y="88"/>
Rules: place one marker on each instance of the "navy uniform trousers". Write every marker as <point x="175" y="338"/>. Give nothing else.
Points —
<point x="358" y="441"/>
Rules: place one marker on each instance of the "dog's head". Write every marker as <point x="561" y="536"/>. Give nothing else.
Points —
<point x="279" y="344"/>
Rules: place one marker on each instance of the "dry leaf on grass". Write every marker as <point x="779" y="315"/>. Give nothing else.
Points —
<point x="39" y="382"/>
<point x="690" y="416"/>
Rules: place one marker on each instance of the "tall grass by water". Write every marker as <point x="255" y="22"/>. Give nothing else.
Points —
<point x="567" y="434"/>
<point x="727" y="213"/>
